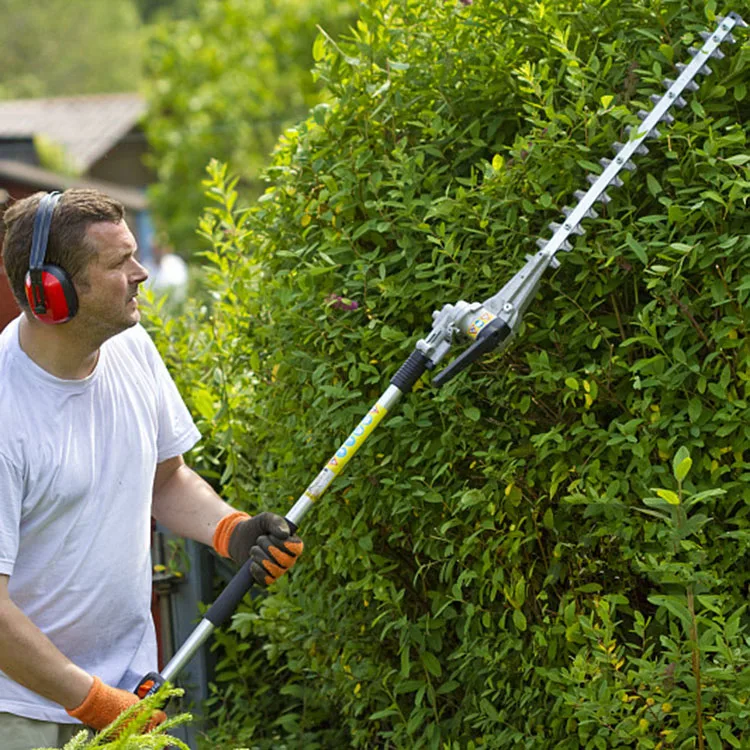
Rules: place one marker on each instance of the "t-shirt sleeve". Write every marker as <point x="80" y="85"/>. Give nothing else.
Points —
<point x="177" y="432"/>
<point x="11" y="499"/>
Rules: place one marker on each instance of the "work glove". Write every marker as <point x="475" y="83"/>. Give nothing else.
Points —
<point x="104" y="704"/>
<point x="265" y="540"/>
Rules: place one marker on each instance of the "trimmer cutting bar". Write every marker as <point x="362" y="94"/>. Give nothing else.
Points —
<point x="624" y="152"/>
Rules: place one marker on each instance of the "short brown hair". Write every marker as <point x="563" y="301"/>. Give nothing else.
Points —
<point x="67" y="247"/>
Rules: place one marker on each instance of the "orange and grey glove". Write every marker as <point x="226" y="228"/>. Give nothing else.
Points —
<point x="104" y="704"/>
<point x="264" y="539"/>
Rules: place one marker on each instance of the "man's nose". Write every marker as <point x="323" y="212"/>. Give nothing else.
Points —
<point x="140" y="274"/>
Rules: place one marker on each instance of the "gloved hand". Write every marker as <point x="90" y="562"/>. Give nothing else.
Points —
<point x="104" y="704"/>
<point x="265" y="539"/>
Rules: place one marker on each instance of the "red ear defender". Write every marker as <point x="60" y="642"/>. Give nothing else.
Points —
<point x="49" y="290"/>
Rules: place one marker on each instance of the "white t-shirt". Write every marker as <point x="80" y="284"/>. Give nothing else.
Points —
<point x="77" y="464"/>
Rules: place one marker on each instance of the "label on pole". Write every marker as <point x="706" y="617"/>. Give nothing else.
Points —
<point x="352" y="444"/>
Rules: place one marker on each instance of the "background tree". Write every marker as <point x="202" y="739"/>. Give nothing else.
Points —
<point x="66" y="47"/>
<point x="224" y="84"/>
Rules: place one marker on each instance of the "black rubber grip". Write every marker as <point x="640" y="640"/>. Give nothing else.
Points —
<point x="226" y="603"/>
<point x="411" y="371"/>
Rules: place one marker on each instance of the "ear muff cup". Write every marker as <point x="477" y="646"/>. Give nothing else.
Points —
<point x="60" y="298"/>
<point x="49" y="289"/>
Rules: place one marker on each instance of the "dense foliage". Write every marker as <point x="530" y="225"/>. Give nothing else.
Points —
<point x="550" y="551"/>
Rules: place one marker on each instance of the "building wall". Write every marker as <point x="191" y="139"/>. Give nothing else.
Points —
<point x="123" y="164"/>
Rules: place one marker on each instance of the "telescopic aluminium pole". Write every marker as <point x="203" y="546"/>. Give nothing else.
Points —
<point x="226" y="603"/>
<point x="490" y="325"/>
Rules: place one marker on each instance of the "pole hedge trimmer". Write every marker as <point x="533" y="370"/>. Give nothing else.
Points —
<point x="489" y="325"/>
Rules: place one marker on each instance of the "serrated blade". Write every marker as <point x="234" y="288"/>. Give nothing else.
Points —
<point x="624" y="152"/>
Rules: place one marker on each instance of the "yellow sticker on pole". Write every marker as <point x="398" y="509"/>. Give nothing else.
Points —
<point x="352" y="444"/>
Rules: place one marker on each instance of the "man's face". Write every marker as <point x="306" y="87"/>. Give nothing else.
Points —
<point x="107" y="295"/>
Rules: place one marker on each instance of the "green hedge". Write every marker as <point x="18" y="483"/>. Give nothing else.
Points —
<point x="550" y="551"/>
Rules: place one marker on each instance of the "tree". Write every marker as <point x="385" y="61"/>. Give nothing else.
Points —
<point x="224" y="85"/>
<point x="67" y="47"/>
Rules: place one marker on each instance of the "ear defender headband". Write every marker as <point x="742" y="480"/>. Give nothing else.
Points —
<point x="49" y="290"/>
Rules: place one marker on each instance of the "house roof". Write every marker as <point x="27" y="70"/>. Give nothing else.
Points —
<point x="86" y="126"/>
<point x="43" y="179"/>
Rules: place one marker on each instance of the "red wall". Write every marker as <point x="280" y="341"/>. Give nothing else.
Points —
<point x="8" y="307"/>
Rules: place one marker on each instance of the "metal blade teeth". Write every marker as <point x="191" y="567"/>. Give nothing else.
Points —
<point x="640" y="149"/>
<point x="577" y="229"/>
<point x="704" y="70"/>
<point x="554" y="262"/>
<point x="679" y="101"/>
<point x="565" y="246"/>
<point x="590" y="214"/>
<point x="653" y="133"/>
<point x="580" y="195"/>
<point x="706" y="35"/>
<point x="690" y="85"/>
<point x="693" y="86"/>
<point x="616" y="181"/>
<point x="666" y="117"/>
<point x="735" y="17"/>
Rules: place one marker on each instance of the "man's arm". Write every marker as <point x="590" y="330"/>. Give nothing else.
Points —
<point x="188" y="506"/>
<point x="185" y="503"/>
<point x="31" y="659"/>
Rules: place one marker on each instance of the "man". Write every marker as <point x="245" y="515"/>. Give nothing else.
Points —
<point x="91" y="443"/>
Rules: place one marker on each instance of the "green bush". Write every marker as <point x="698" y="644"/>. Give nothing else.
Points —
<point x="550" y="551"/>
